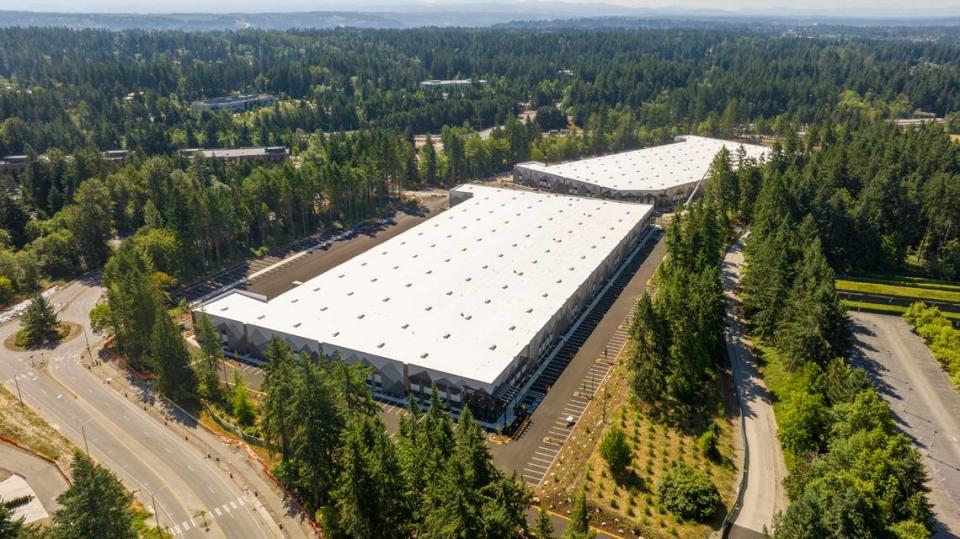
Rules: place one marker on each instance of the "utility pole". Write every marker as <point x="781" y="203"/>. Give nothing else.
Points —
<point x="19" y="395"/>
<point x="89" y="353"/>
<point x="153" y="500"/>
<point x="83" y="431"/>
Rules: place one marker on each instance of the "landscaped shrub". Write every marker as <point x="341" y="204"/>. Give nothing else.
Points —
<point x="688" y="493"/>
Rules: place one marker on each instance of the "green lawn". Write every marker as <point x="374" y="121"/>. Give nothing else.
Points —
<point x="911" y="290"/>
<point x="907" y="280"/>
<point x="884" y="308"/>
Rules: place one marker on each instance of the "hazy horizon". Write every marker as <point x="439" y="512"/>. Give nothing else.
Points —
<point x="855" y="8"/>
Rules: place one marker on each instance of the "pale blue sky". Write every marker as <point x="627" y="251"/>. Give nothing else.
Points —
<point x="865" y="8"/>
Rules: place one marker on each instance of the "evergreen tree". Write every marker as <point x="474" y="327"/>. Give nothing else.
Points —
<point x="369" y="482"/>
<point x="240" y="405"/>
<point x="10" y="527"/>
<point x="40" y="323"/>
<point x="209" y="358"/>
<point x="170" y="357"/>
<point x="649" y="362"/>
<point x="616" y="451"/>
<point x="95" y="504"/>
<point x="317" y="432"/>
<point x="544" y="527"/>
<point x="278" y="407"/>
<point x="578" y="526"/>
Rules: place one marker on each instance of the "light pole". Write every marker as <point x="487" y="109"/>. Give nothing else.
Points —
<point x="19" y="395"/>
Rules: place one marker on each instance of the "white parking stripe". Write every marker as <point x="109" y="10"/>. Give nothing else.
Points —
<point x="233" y="504"/>
<point x="186" y="525"/>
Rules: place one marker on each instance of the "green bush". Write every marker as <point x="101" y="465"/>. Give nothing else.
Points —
<point x="943" y="340"/>
<point x="615" y="450"/>
<point x="707" y="442"/>
<point x="688" y="493"/>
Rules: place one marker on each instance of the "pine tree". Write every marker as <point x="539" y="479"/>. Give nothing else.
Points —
<point x="95" y="504"/>
<point x="616" y="451"/>
<point x="171" y="359"/>
<point x="209" y="358"/>
<point x="40" y="322"/>
<point x="544" y="527"/>
<point x="579" y="525"/>
<point x="317" y="431"/>
<point x="277" y="409"/>
<point x="370" y="479"/>
<point x="649" y="361"/>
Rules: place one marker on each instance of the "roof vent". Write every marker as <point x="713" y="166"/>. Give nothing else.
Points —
<point x="446" y="335"/>
<point x="363" y="263"/>
<point x="261" y="317"/>
<point x="486" y="301"/>
<point x="513" y="328"/>
<point x="408" y="285"/>
<point x="360" y="316"/>
<point x="469" y="316"/>
<point x="530" y="310"/>
<point x="317" y="289"/>
<point x="386" y="299"/>
<point x="428" y="308"/>
<point x="373" y="280"/>
<point x="324" y="308"/>
<point x="405" y="326"/>
<point x="381" y="345"/>
<point x="335" y="333"/>
<point x="545" y="294"/>
<point x="297" y="324"/>
<point x="350" y="293"/>
<point x="341" y="276"/>
<point x="424" y="355"/>
<point x="493" y="347"/>
<point x="449" y="292"/>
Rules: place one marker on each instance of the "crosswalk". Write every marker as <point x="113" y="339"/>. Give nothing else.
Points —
<point x="203" y="519"/>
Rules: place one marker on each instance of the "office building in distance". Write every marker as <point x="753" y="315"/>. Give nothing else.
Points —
<point x="233" y="103"/>
<point x="468" y="301"/>
<point x="268" y="153"/>
<point x="657" y="175"/>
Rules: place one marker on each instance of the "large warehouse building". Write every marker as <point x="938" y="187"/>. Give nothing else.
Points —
<point x="656" y="175"/>
<point x="467" y="301"/>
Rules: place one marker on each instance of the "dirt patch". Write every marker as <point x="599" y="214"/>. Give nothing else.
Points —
<point x="28" y="429"/>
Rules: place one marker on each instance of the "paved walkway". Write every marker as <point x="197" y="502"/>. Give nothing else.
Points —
<point x="763" y="495"/>
<point x="42" y="477"/>
<point x="924" y="403"/>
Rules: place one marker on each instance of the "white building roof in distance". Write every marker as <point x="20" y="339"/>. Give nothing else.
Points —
<point x="650" y="169"/>
<point x="462" y="293"/>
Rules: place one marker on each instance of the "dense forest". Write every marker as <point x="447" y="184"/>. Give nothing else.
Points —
<point x="349" y="102"/>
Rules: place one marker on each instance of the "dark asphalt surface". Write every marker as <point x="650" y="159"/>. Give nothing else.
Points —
<point x="925" y="405"/>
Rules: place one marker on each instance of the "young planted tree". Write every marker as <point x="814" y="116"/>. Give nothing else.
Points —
<point x="240" y="404"/>
<point x="616" y="451"/>
<point x="95" y="504"/>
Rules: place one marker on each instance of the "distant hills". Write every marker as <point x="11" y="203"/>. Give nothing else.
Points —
<point x="531" y="13"/>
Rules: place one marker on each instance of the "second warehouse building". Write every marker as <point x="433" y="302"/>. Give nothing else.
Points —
<point x="467" y="301"/>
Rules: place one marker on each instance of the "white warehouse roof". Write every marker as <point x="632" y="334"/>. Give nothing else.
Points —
<point x="649" y="169"/>
<point x="462" y="293"/>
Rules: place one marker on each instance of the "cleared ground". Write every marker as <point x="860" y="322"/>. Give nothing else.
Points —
<point x="924" y="403"/>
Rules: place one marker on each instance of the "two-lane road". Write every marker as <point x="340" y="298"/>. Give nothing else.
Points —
<point x="191" y="491"/>
<point x="763" y="495"/>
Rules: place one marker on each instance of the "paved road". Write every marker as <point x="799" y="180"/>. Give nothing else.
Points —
<point x="924" y="403"/>
<point x="43" y="477"/>
<point x="763" y="495"/>
<point x="148" y="456"/>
